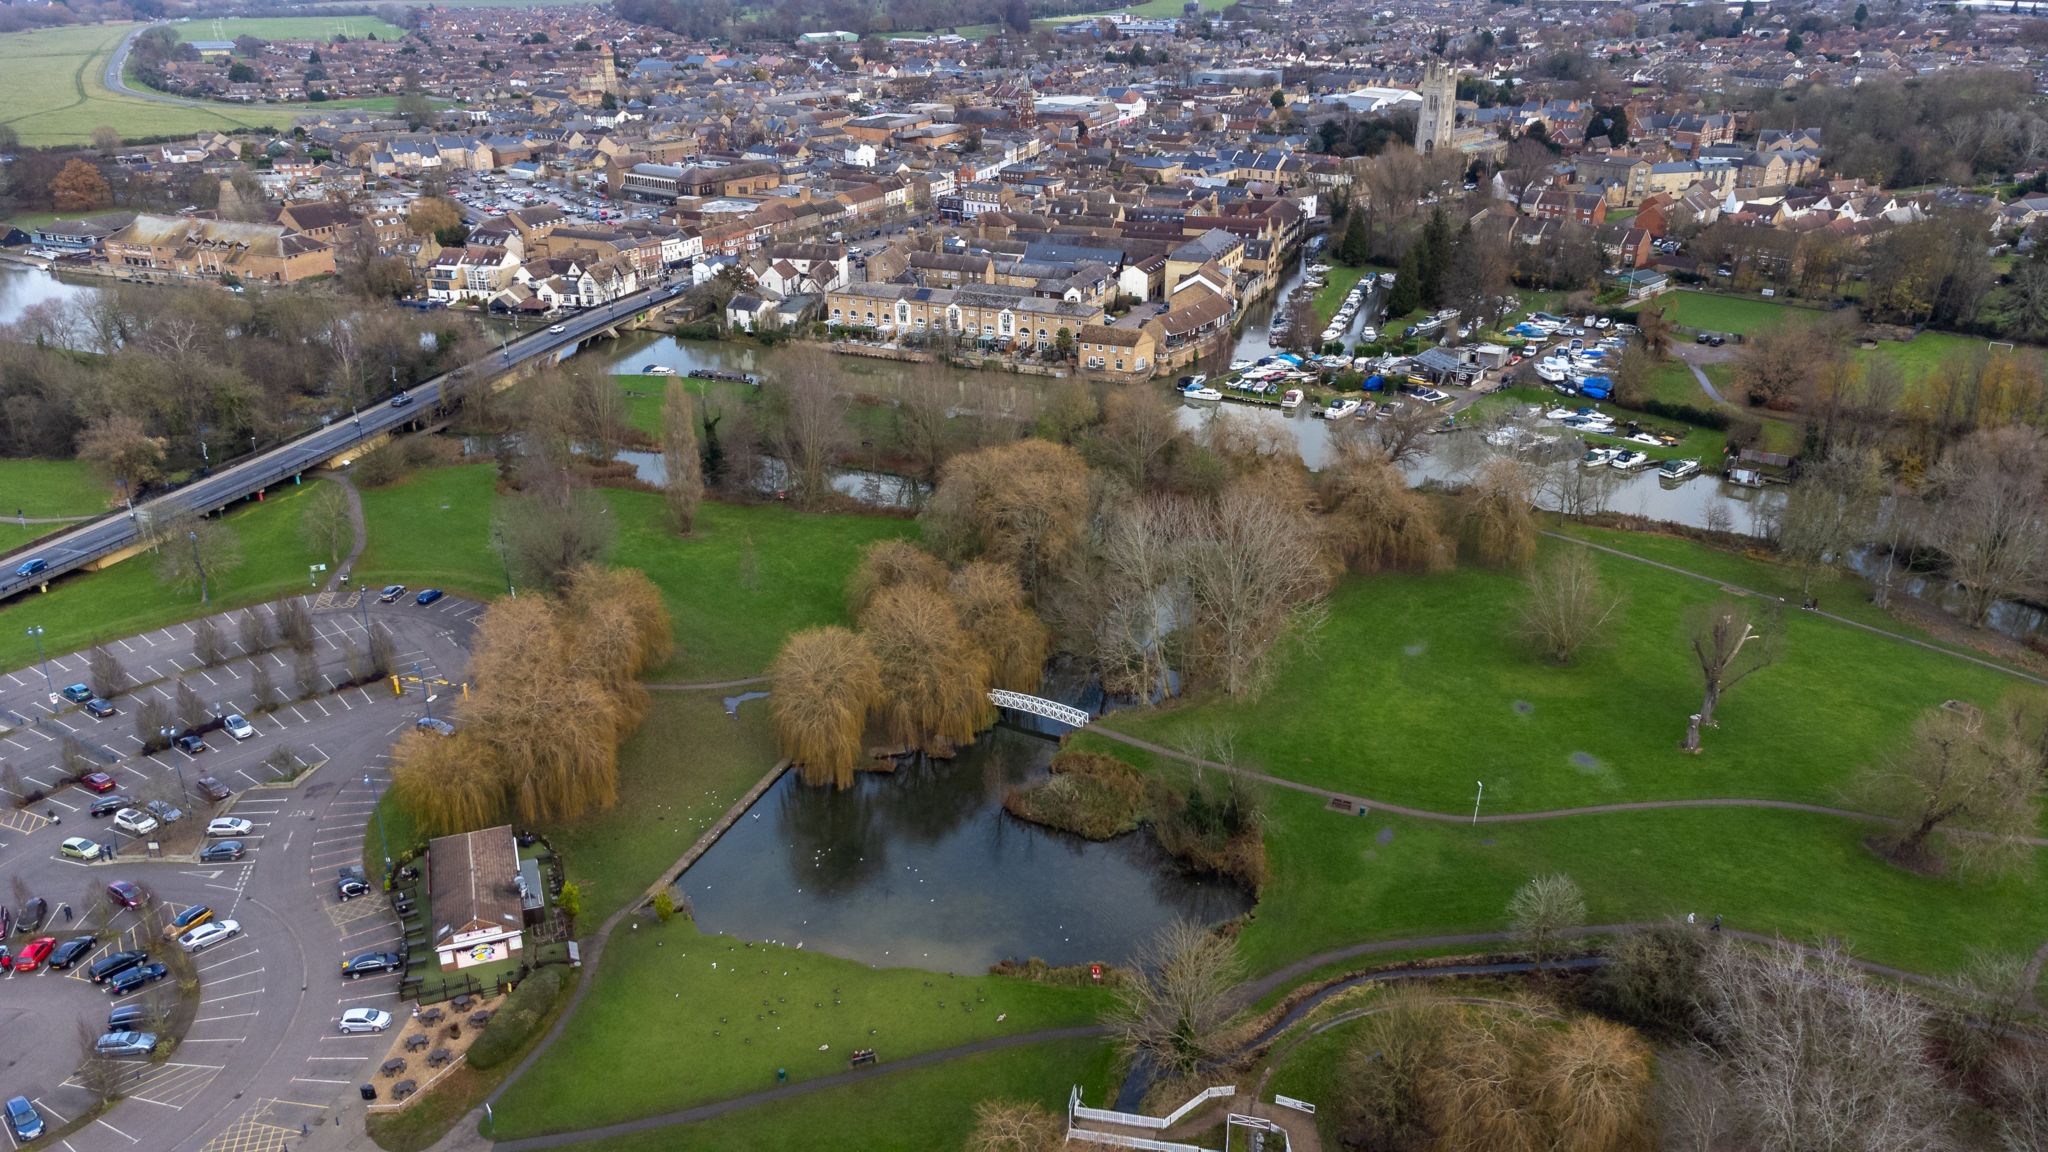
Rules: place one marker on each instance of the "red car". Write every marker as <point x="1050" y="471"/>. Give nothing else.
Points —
<point x="97" y="782"/>
<point x="31" y="957"/>
<point x="123" y="893"/>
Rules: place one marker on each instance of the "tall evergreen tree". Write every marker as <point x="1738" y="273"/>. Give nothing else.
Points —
<point x="1406" y="294"/>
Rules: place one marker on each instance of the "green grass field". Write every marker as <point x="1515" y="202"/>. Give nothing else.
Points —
<point x="127" y="598"/>
<point x="1415" y="689"/>
<point x="52" y="488"/>
<point x="917" y="1111"/>
<point x="1736" y="315"/>
<point x="1331" y="295"/>
<point x="677" y="1018"/>
<point x="321" y="28"/>
<point x="434" y="528"/>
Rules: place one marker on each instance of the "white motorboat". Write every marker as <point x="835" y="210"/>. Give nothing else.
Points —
<point x="1291" y="398"/>
<point x="1202" y="394"/>
<point x="1628" y="460"/>
<point x="1598" y="457"/>
<point x="1677" y="469"/>
<point x="1240" y="365"/>
<point x="1341" y="408"/>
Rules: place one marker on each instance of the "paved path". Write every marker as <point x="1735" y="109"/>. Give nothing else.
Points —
<point x="709" y="685"/>
<point x="116" y="79"/>
<point x="356" y="522"/>
<point x="1700" y="376"/>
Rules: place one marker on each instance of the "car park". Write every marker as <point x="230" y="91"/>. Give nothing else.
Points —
<point x="23" y="1120"/>
<point x="96" y="782"/>
<point x="212" y="789"/>
<point x="365" y="1020"/>
<point x="221" y="852"/>
<point x="136" y="977"/>
<point x="72" y="951"/>
<point x="125" y="1044"/>
<point x="165" y="811"/>
<point x="229" y="826"/>
<point x="187" y="920"/>
<point x="191" y="744"/>
<point x="135" y="821"/>
<point x="428" y="597"/>
<point x="371" y="964"/>
<point x="124" y="893"/>
<point x="237" y="727"/>
<point x="99" y="709"/>
<point x="79" y="848"/>
<point x="208" y="934"/>
<point x="108" y="805"/>
<point x="390" y="593"/>
<point x="77" y="693"/>
<point x="32" y="957"/>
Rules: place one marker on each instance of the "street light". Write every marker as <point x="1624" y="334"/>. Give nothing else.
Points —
<point x="381" y="841"/>
<point x="426" y="694"/>
<point x="37" y="632"/>
<point x="200" y="564"/>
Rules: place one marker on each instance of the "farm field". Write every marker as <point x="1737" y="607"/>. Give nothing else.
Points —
<point x="288" y="28"/>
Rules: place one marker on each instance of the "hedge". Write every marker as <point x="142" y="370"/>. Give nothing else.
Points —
<point x="1690" y="413"/>
<point x="514" y="1021"/>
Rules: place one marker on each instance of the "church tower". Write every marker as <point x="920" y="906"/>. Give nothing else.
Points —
<point x="1439" y="107"/>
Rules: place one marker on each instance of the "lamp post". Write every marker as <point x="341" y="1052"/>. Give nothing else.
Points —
<point x="44" y="660"/>
<point x="198" y="562"/>
<point x="425" y="693"/>
<point x="1475" y="803"/>
<point x="381" y="841"/>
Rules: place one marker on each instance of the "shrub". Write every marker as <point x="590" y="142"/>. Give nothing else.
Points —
<point x="514" y="1021"/>
<point x="1088" y="794"/>
<point x="664" y="905"/>
<point x="1690" y="413"/>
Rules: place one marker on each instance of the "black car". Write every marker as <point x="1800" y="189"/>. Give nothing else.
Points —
<point x="221" y="852"/>
<point x="351" y="881"/>
<point x="1701" y="338"/>
<point x="400" y="400"/>
<point x="72" y="951"/>
<point x="128" y="981"/>
<point x="213" y="789"/>
<point x="108" y="805"/>
<point x="115" y="963"/>
<point x="130" y="1018"/>
<point x="190" y="744"/>
<point x="371" y="963"/>
<point x="33" y="914"/>
<point x="98" y="708"/>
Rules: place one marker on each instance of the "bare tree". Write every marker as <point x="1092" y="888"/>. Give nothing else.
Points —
<point x="1015" y="1126"/>
<point x="808" y="423"/>
<point x="1829" y="510"/>
<point x="554" y="527"/>
<point x="1694" y="1110"/>
<point x="1543" y="910"/>
<point x="682" y="463"/>
<point x="191" y="708"/>
<point x="254" y="631"/>
<point x="1566" y="605"/>
<point x="152" y="716"/>
<point x="1176" y="1003"/>
<point x="207" y="646"/>
<point x="1256" y="572"/>
<point x="262" y="687"/>
<point x="1988" y="994"/>
<point x="1820" y="1056"/>
<point x="1985" y="515"/>
<point x="1966" y="781"/>
<point x="109" y="678"/>
<point x="1496" y="514"/>
<point x="2020" y="1099"/>
<point x="383" y="650"/>
<point x="295" y="624"/>
<point x="306" y="673"/>
<point x="73" y="761"/>
<point x="600" y="409"/>
<point x="196" y="553"/>
<point x="326" y="522"/>
<point x="100" y="1076"/>
<point x="1729" y="640"/>
<point x="1140" y="592"/>
<point x="1136" y="439"/>
<point x="925" y="431"/>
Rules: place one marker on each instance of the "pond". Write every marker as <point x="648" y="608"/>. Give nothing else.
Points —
<point x="22" y="288"/>
<point x="922" y="867"/>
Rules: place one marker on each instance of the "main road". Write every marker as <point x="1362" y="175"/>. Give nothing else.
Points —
<point x="118" y="530"/>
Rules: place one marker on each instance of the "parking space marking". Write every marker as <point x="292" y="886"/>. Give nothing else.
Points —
<point x="231" y="996"/>
<point x="224" y="1016"/>
<point x="116" y="1131"/>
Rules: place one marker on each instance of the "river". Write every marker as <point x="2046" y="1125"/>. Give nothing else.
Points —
<point x="22" y="287"/>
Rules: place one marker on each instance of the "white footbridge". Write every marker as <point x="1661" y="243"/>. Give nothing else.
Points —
<point x="1039" y="706"/>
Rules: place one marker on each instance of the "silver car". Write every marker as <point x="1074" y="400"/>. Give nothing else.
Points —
<point x="125" y="1044"/>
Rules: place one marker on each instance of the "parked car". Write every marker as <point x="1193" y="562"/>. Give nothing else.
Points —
<point x="124" y="893"/>
<point x="211" y="788"/>
<point x="99" y="709"/>
<point x="390" y="593"/>
<point x="108" y="805"/>
<point x="365" y="1020"/>
<point x="135" y="821"/>
<point x="165" y="811"/>
<point x="370" y="964"/>
<point x="96" y="782"/>
<point x="77" y="693"/>
<point x="130" y="1018"/>
<point x="79" y="848"/>
<point x="125" y="1044"/>
<point x="23" y="1120"/>
<point x="229" y="826"/>
<point x="191" y="744"/>
<point x="32" y="957"/>
<point x="32" y="916"/>
<point x="351" y="881"/>
<point x="72" y="951"/>
<point x="114" y="963"/>
<point x="208" y="934"/>
<point x="31" y="567"/>
<point x="221" y="852"/>
<point x="187" y="920"/>
<point x="436" y="726"/>
<point x="136" y="977"/>
<point x="428" y="597"/>
<point x="237" y="727"/>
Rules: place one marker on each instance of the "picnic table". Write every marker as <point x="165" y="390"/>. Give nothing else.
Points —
<point x="463" y="1002"/>
<point x="438" y="1057"/>
<point x="432" y="1015"/>
<point x="417" y="1041"/>
<point x="479" y="1018"/>
<point x="861" y="1056"/>
<point x="404" y="1088"/>
<point x="394" y="1066"/>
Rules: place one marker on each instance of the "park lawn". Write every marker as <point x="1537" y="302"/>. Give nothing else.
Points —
<point x="748" y="576"/>
<point x="1742" y="315"/>
<point x="1416" y="687"/>
<point x="1330" y="296"/>
<point x="644" y="395"/>
<point x="916" y="1111"/>
<point x="433" y="528"/>
<point x="688" y="763"/>
<point x="665" y="1028"/>
<point x="1315" y="1070"/>
<point x="320" y="28"/>
<point x="127" y="598"/>
<point x="52" y="488"/>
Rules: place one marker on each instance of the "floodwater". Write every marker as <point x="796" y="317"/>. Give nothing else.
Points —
<point x="922" y="867"/>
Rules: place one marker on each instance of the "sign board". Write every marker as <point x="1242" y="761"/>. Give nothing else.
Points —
<point x="1291" y="1102"/>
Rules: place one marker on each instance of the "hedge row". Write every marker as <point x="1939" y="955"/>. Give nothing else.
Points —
<point x="1690" y="413"/>
<point x="517" y="1017"/>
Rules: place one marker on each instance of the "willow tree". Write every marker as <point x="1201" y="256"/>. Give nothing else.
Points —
<point x="934" y="684"/>
<point x="824" y="683"/>
<point x="681" y="462"/>
<point x="549" y="732"/>
<point x="1023" y="504"/>
<point x="1497" y="515"/>
<point x="1729" y="640"/>
<point x="1374" y="521"/>
<point x="449" y="785"/>
<point x="617" y="628"/>
<point x="1001" y="625"/>
<point x="887" y="563"/>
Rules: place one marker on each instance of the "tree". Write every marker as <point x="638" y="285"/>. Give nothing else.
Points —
<point x="552" y="528"/>
<point x="1256" y="572"/>
<point x="1000" y="625"/>
<point x="79" y="187"/>
<point x="614" y="626"/>
<point x="1406" y="294"/>
<point x="306" y="673"/>
<point x="1566" y="605"/>
<point x="119" y="447"/>
<point x="1176" y="1003"/>
<point x="889" y="563"/>
<point x="447" y="784"/>
<point x="1015" y="1126"/>
<point x="1821" y="1056"/>
<point x="934" y="684"/>
<point x="1729" y="640"/>
<point x="1497" y="516"/>
<point x="196" y="552"/>
<point x="1023" y="504"/>
<point x="207" y="646"/>
<point x="1382" y="1103"/>
<point x="295" y="625"/>
<point x="825" y="681"/>
<point x="106" y="139"/>
<point x="1374" y="521"/>
<point x="383" y="651"/>
<point x="683" y="466"/>
<point x="1829" y="510"/>
<point x="100" y="1076"/>
<point x="1652" y="978"/>
<point x="807" y="418"/>
<point x="1355" y="248"/>
<point x="1963" y="780"/>
<point x="1544" y="910"/>
<point x="105" y="673"/>
<point x="240" y="73"/>
<point x="328" y="522"/>
<point x="1137" y="439"/>
<point x="262" y="687"/>
<point x="439" y="217"/>
<point x="1654" y="330"/>
<point x="2019" y="1088"/>
<point x="1984" y="517"/>
<point x="152" y="716"/>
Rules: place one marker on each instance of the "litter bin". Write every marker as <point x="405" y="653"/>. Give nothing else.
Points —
<point x="369" y="1091"/>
